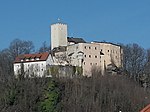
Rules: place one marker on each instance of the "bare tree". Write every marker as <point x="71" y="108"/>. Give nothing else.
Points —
<point x="102" y="93"/>
<point x="145" y="78"/>
<point x="44" y="47"/>
<point x="18" y="47"/>
<point x="134" y="60"/>
<point x="6" y="64"/>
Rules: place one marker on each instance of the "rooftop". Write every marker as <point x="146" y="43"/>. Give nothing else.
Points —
<point x="32" y="57"/>
<point x="146" y="109"/>
<point x="105" y="43"/>
<point x="76" y="40"/>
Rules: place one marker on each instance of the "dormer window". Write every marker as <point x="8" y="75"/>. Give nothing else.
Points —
<point x="37" y="58"/>
<point x="27" y="59"/>
<point x="21" y="60"/>
<point x="32" y="59"/>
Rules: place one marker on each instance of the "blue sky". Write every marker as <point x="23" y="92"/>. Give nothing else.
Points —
<point x="118" y="21"/>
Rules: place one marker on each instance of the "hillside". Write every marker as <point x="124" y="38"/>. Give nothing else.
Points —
<point x="80" y="94"/>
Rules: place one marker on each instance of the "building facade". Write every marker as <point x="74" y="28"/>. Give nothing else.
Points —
<point x="94" y="54"/>
<point x="32" y="64"/>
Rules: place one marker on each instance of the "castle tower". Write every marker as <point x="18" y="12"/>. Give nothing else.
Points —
<point x="58" y="35"/>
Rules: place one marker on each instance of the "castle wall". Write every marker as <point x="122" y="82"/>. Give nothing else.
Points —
<point x="98" y="55"/>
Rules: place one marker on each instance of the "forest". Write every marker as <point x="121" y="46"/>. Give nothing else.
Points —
<point x="128" y="91"/>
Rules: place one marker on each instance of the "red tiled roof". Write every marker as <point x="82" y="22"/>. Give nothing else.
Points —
<point x="146" y="109"/>
<point x="32" y="57"/>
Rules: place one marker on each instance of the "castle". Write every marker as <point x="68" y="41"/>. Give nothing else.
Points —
<point x="73" y="52"/>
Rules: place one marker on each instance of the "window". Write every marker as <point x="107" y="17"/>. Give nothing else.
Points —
<point x="90" y="63"/>
<point x="84" y="63"/>
<point x="77" y="47"/>
<point x="32" y="59"/>
<point x="37" y="58"/>
<point x="89" y="56"/>
<point x="89" y="47"/>
<point x="27" y="59"/>
<point x="85" y="47"/>
<point x="95" y="56"/>
<point x="85" y="56"/>
<point x="95" y="63"/>
<point x="108" y="50"/>
<point x="95" y="48"/>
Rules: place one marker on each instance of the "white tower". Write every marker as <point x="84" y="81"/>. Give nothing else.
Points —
<point x="58" y="35"/>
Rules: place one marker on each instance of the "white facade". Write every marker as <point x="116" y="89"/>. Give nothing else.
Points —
<point x="32" y="68"/>
<point x="58" y="35"/>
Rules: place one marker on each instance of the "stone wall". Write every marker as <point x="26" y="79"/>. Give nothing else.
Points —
<point x="63" y="71"/>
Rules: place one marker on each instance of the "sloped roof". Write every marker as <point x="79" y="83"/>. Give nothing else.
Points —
<point x="106" y="43"/>
<point x="146" y="109"/>
<point x="76" y="40"/>
<point x="59" y="49"/>
<point x="32" y="57"/>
